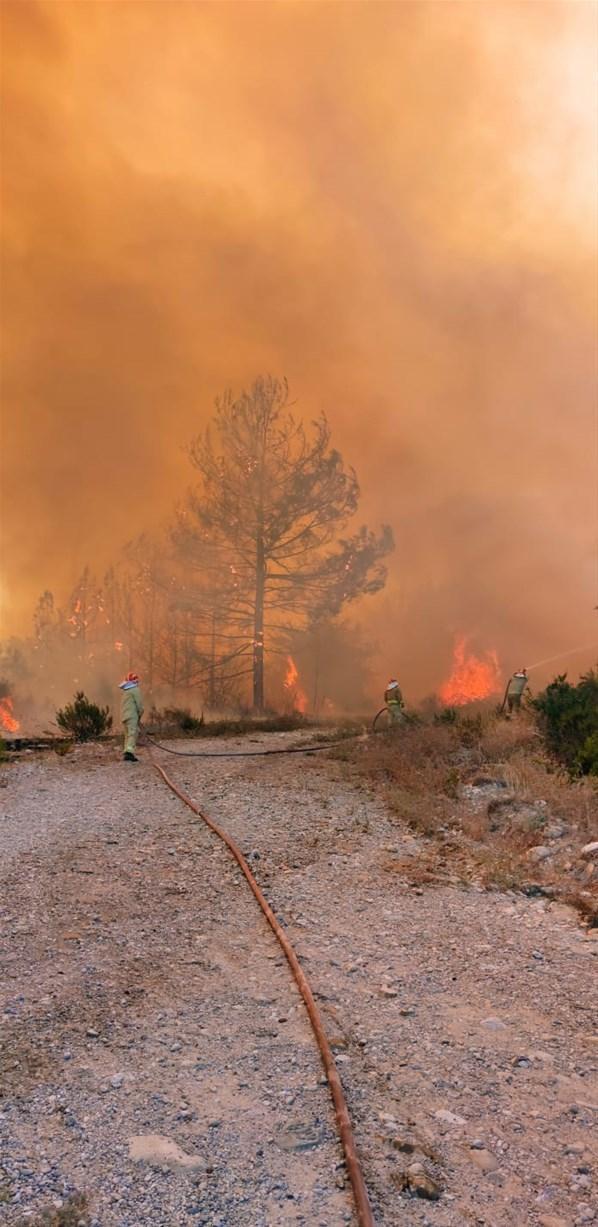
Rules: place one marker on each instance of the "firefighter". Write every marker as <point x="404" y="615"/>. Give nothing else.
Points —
<point x="394" y="701"/>
<point x="515" y="689"/>
<point x="131" y="711"/>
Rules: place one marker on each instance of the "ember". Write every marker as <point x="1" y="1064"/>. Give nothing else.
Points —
<point x="291" y="685"/>
<point x="472" y="677"/>
<point x="8" y="722"/>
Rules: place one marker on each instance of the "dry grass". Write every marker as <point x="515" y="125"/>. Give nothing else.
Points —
<point x="575" y="802"/>
<point x="417" y="772"/>
<point x="501" y="739"/>
<point x="73" y="1212"/>
<point x="422" y="771"/>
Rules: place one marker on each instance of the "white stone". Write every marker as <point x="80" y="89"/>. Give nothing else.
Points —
<point x="539" y="853"/>
<point x="449" y="1118"/>
<point x="160" y="1151"/>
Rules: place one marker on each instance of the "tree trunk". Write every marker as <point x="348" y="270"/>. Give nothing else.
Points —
<point x="212" y="676"/>
<point x="316" y="699"/>
<point x="258" y="628"/>
<point x="175" y="659"/>
<point x="150" y="652"/>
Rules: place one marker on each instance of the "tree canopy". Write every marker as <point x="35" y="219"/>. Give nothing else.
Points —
<point x="263" y="526"/>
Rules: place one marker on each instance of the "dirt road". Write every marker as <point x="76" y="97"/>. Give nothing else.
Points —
<point x="155" y="1054"/>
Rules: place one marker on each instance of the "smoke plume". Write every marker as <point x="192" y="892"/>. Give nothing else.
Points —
<point x="394" y="206"/>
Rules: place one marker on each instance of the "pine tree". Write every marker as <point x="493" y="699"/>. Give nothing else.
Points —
<point x="271" y="502"/>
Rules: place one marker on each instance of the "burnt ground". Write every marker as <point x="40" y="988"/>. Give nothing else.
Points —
<point x="156" y="1058"/>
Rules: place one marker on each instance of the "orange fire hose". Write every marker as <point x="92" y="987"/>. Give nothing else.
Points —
<point x="364" y="1210"/>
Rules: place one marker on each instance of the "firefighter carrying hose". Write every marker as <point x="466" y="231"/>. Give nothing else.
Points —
<point x="394" y="701"/>
<point x="131" y="711"/>
<point x="514" y="692"/>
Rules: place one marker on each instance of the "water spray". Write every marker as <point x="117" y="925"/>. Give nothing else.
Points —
<point x="547" y="661"/>
<point x="561" y="655"/>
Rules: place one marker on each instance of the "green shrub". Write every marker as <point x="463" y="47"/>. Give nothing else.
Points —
<point x="84" y="720"/>
<point x="62" y="747"/>
<point x="568" y="717"/>
<point x="588" y="756"/>
<point x="182" y="719"/>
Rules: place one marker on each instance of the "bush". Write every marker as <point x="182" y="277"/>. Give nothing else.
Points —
<point x="587" y="758"/>
<point x="173" y="720"/>
<point x="84" y="720"/>
<point x="568" y="717"/>
<point x="183" y="719"/>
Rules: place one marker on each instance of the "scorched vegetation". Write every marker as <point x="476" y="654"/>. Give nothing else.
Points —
<point x="495" y="805"/>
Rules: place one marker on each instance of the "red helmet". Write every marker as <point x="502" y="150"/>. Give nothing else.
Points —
<point x="132" y="677"/>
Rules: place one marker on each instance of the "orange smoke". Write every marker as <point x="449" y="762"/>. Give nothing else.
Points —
<point x="291" y="684"/>
<point x="472" y="677"/>
<point x="7" y="721"/>
<point x="75" y="613"/>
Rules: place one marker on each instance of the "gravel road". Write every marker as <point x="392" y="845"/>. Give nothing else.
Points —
<point x="156" y="1055"/>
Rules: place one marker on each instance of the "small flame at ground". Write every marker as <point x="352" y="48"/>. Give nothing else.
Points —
<point x="291" y="684"/>
<point x="8" y="722"/>
<point x="472" y="678"/>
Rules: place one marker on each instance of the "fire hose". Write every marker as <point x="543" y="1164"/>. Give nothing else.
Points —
<point x="343" y="1120"/>
<point x="325" y="745"/>
<point x="505" y="696"/>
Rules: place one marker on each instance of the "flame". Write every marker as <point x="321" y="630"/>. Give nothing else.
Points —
<point x="292" y="673"/>
<point x="7" y="720"/>
<point x="76" y="611"/>
<point x="472" y="678"/>
<point x="291" y="683"/>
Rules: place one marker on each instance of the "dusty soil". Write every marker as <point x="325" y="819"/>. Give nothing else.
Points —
<point x="155" y="1053"/>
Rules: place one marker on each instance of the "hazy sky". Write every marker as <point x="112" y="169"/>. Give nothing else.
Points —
<point x="392" y="204"/>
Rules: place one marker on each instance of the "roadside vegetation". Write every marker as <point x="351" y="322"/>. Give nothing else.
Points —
<point x="83" y="720"/>
<point x="496" y="806"/>
<point x="568" y="718"/>
<point x="181" y="722"/>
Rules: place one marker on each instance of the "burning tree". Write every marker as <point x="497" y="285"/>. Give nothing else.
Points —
<point x="268" y="511"/>
<point x="207" y="595"/>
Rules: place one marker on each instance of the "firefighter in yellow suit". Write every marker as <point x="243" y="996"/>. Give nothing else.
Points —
<point x="131" y="711"/>
<point x="515" y="690"/>
<point x="394" y="701"/>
